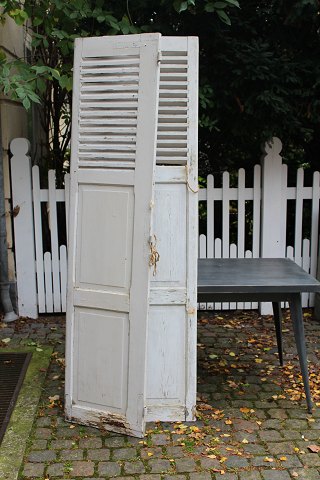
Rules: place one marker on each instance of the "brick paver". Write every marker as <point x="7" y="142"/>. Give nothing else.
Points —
<point x="252" y="421"/>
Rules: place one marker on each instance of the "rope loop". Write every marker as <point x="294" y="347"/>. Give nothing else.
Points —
<point x="154" y="255"/>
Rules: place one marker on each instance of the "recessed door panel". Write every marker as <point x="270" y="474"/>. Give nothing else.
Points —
<point x="102" y="359"/>
<point x="105" y="245"/>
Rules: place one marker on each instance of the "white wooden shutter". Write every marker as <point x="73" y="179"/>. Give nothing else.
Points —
<point x="115" y="103"/>
<point x="171" y="359"/>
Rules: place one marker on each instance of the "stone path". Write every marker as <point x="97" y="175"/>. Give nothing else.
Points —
<point x="252" y="421"/>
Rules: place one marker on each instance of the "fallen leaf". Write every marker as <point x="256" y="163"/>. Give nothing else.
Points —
<point x="54" y="398"/>
<point x="228" y="422"/>
<point x="295" y="474"/>
<point x="258" y="360"/>
<point x="232" y="354"/>
<point x="283" y="459"/>
<point x="245" y="441"/>
<point x="72" y="426"/>
<point x="150" y="454"/>
<point x="244" y="409"/>
<point x="6" y="340"/>
<point x="314" y="448"/>
<point x="268" y="459"/>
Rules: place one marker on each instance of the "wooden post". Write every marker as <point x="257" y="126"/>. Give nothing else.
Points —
<point x="317" y="295"/>
<point x="273" y="223"/>
<point x="24" y="228"/>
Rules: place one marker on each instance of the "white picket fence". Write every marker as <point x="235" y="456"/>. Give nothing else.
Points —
<point x="266" y="201"/>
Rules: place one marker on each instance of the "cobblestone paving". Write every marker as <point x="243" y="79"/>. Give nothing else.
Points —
<point x="252" y="421"/>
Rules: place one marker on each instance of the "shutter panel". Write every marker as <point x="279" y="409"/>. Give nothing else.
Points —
<point x="171" y="359"/>
<point x="115" y="104"/>
<point x="172" y="136"/>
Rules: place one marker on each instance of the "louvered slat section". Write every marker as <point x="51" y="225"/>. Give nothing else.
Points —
<point x="172" y="134"/>
<point x="108" y="111"/>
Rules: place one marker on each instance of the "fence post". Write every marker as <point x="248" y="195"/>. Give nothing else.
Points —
<point x="23" y="228"/>
<point x="272" y="222"/>
<point x="317" y="295"/>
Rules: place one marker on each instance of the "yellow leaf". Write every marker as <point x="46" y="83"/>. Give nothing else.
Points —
<point x="232" y="354"/>
<point x="6" y="340"/>
<point x="245" y="410"/>
<point x="245" y="440"/>
<point x="54" y="398"/>
<point x="212" y="456"/>
<point x="296" y="449"/>
<point x="268" y="459"/>
<point x="72" y="426"/>
<point x="295" y="474"/>
<point x="195" y="429"/>
<point x="258" y="360"/>
<point x="150" y="454"/>
<point x="283" y="459"/>
<point x="228" y="422"/>
<point x="223" y="459"/>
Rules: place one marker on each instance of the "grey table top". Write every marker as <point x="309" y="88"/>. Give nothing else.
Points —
<point x="253" y="275"/>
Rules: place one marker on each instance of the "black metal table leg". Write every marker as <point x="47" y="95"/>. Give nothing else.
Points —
<point x="277" y="317"/>
<point x="298" y="328"/>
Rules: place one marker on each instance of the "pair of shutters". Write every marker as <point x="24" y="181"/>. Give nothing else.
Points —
<point x="134" y="107"/>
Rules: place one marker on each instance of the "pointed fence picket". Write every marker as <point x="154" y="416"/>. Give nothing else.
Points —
<point x="50" y="265"/>
<point x="262" y="208"/>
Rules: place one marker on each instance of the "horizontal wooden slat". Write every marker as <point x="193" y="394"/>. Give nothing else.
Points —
<point x="167" y="296"/>
<point x="107" y="156"/>
<point x="111" y="87"/>
<point x="106" y="147"/>
<point x="110" y="60"/>
<point x="104" y="300"/>
<point x="99" y="162"/>
<point x="109" y="79"/>
<point x="108" y="96"/>
<point x="113" y="115"/>
<point x="128" y="105"/>
<point x="107" y="130"/>
<point x="87" y="72"/>
<point x="117" y="139"/>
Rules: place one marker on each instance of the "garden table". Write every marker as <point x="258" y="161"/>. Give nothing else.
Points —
<point x="263" y="280"/>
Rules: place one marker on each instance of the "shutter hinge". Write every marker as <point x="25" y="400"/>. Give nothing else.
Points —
<point x="159" y="59"/>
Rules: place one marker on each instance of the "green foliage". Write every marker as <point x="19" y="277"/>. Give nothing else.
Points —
<point x="53" y="26"/>
<point x="259" y="69"/>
